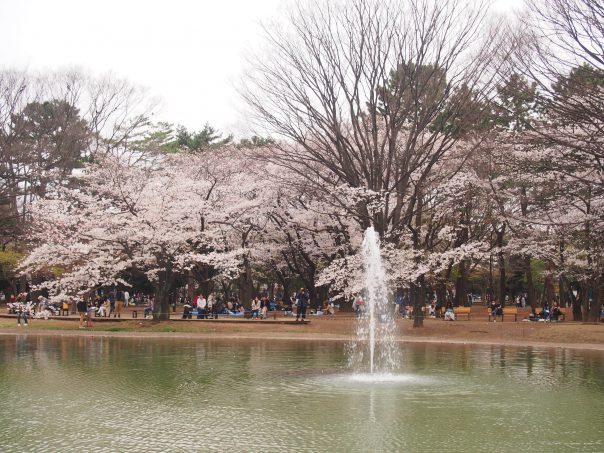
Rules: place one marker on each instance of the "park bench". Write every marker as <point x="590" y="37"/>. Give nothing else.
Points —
<point x="561" y="317"/>
<point x="507" y="311"/>
<point x="563" y="312"/>
<point x="246" y="315"/>
<point x="462" y="311"/>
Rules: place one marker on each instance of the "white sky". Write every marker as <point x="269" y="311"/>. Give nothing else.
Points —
<point x="190" y="53"/>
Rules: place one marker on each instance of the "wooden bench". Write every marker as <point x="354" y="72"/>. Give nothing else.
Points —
<point x="563" y="313"/>
<point x="507" y="311"/>
<point x="462" y="311"/>
<point x="561" y="316"/>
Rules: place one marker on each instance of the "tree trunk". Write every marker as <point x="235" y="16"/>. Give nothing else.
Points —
<point x="594" y="310"/>
<point x="163" y="290"/>
<point x="190" y="285"/>
<point x="419" y="292"/>
<point x="549" y="289"/>
<point x="530" y="286"/>
<point x="563" y="296"/>
<point x="585" y="301"/>
<point x="576" y="301"/>
<point x="441" y="294"/>
<point x="246" y="284"/>
<point x="461" y="285"/>
<point x="501" y="264"/>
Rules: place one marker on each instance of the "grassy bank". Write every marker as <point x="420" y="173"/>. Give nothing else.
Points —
<point x="512" y="333"/>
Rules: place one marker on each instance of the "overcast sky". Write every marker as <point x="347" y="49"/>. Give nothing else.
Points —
<point x="190" y="53"/>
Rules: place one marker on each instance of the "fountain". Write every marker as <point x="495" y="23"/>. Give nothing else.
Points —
<point x="374" y="346"/>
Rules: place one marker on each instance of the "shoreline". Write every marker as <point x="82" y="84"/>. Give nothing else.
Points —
<point x="280" y="336"/>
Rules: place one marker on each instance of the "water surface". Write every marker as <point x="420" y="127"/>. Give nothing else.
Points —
<point x="92" y="394"/>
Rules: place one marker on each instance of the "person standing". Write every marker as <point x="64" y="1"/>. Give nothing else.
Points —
<point x="126" y="298"/>
<point x="119" y="304"/>
<point x="212" y="306"/>
<point x="22" y="310"/>
<point x="358" y="305"/>
<point x="302" y="299"/>
<point x="112" y="298"/>
<point x="202" y="308"/>
<point x="82" y="308"/>
<point x="264" y="308"/>
<point x="148" y="311"/>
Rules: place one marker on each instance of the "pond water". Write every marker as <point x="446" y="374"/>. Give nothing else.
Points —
<point x="92" y="394"/>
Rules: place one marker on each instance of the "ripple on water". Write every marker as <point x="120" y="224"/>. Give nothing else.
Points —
<point x="382" y="378"/>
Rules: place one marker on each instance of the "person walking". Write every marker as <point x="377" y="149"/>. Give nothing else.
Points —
<point x="302" y="299"/>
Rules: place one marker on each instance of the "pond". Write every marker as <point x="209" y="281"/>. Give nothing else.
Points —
<point x="108" y="394"/>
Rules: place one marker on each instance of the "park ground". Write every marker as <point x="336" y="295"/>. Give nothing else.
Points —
<point x="567" y="334"/>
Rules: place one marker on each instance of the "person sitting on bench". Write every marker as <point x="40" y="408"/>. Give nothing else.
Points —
<point x="556" y="313"/>
<point x="449" y="312"/>
<point x="104" y="309"/>
<point x="496" y="310"/>
<point x="186" y="311"/>
<point x="545" y="312"/>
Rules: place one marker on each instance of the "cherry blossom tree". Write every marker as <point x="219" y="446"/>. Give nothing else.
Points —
<point x="153" y="217"/>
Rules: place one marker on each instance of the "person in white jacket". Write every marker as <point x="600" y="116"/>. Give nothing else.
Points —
<point x="202" y="307"/>
<point x="255" y="307"/>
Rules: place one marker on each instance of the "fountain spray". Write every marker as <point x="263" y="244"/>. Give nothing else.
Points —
<point x="376" y="327"/>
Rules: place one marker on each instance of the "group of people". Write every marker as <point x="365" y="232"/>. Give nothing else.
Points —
<point x="111" y="303"/>
<point x="210" y="307"/>
<point x="547" y="313"/>
<point x="25" y="308"/>
<point x="213" y="306"/>
<point x="22" y="306"/>
<point x="105" y="303"/>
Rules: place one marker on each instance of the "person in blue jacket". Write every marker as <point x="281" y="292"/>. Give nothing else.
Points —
<point x="302" y="304"/>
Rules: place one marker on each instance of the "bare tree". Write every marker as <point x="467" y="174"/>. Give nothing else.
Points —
<point x="371" y="95"/>
<point x="118" y="113"/>
<point x="50" y="123"/>
<point x="561" y="50"/>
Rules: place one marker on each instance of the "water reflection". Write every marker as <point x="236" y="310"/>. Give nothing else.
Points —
<point x="143" y="395"/>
